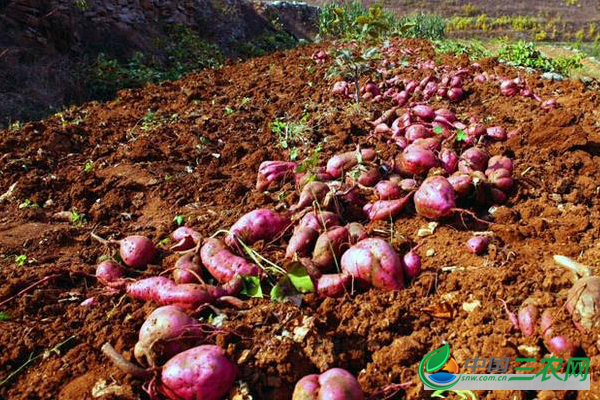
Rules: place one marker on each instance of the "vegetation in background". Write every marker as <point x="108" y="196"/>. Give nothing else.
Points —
<point x="473" y="48"/>
<point x="351" y="20"/>
<point x="185" y="52"/>
<point x="269" y="41"/>
<point x="525" y="54"/>
<point x="352" y="65"/>
<point x="426" y="26"/>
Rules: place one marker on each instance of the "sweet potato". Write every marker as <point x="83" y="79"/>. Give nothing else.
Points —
<point x="312" y="191"/>
<point x="301" y="241"/>
<point x="374" y="262"/>
<point x="164" y="291"/>
<point x="136" y="251"/>
<point x="319" y="221"/>
<point x="200" y="373"/>
<point x="415" y="160"/>
<point x="346" y="161"/>
<point x="583" y="302"/>
<point x="386" y="209"/>
<point x="435" y="198"/>
<point x="167" y="331"/>
<point x="110" y="273"/>
<point x="184" y="238"/>
<point x="473" y="159"/>
<point x="261" y="224"/>
<point x="329" y="247"/>
<point x="332" y="285"/>
<point x="273" y="171"/>
<point x="334" y="384"/>
<point x="370" y="177"/>
<point x="388" y="190"/>
<point x="222" y="264"/>
<point x="187" y="269"/>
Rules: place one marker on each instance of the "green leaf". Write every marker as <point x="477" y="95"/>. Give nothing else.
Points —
<point x="277" y="293"/>
<point x="294" y="154"/>
<point x="437" y="358"/>
<point x="252" y="286"/>
<point x="354" y="174"/>
<point x="438" y="130"/>
<point x="300" y="278"/>
<point x="4" y="316"/>
<point x="178" y="219"/>
<point x="20" y="260"/>
<point x="461" y="136"/>
<point x="359" y="157"/>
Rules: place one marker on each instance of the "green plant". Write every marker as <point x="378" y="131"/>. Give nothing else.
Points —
<point x="149" y="121"/>
<point x="185" y="52"/>
<point x="76" y="218"/>
<point x="540" y="36"/>
<point x="28" y="203"/>
<point x="245" y="100"/>
<point x="4" y="316"/>
<point x="179" y="219"/>
<point x="351" y="20"/>
<point x="88" y="166"/>
<point x="374" y="23"/>
<point x="352" y="65"/>
<point x="20" y="260"/>
<point x="339" y="19"/>
<point x="310" y="164"/>
<point x="81" y="4"/>
<point x="15" y="126"/>
<point x="269" y="41"/>
<point x="473" y="48"/>
<point x="422" y="25"/>
<point x="45" y="354"/>
<point x="290" y="133"/>
<point x="525" y="54"/>
<point x="469" y="10"/>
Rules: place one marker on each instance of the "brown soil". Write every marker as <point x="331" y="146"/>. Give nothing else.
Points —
<point x="198" y="161"/>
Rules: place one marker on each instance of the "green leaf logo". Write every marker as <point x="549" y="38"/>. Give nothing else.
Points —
<point x="437" y="358"/>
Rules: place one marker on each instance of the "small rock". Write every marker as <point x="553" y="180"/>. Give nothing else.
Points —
<point x="553" y="76"/>
<point x="470" y="307"/>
